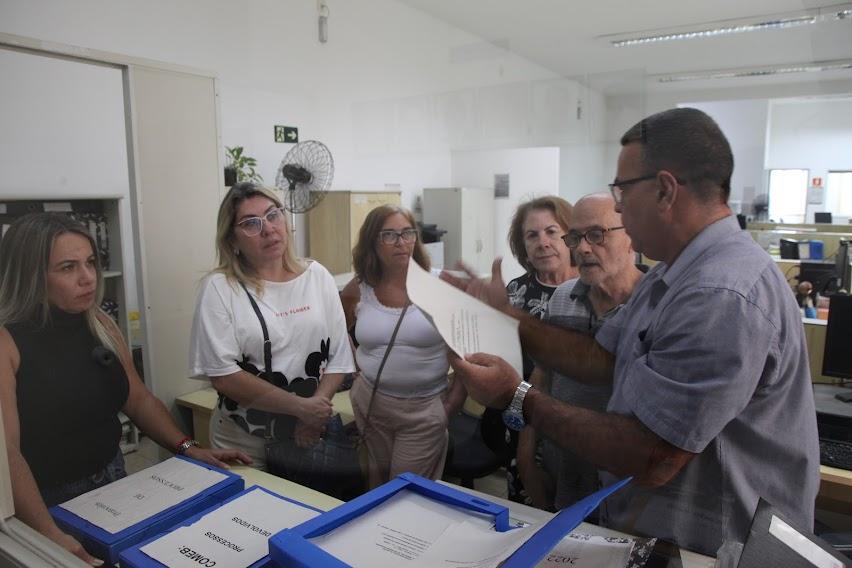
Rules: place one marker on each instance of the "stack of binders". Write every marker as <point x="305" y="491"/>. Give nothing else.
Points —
<point x="119" y="515"/>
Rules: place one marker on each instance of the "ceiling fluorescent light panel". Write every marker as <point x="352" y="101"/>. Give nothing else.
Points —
<point x="728" y="27"/>
<point x="838" y="65"/>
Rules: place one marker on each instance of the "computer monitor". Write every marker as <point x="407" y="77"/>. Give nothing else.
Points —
<point x="821" y="275"/>
<point x="841" y="266"/>
<point x="837" y="357"/>
<point x="822" y="217"/>
<point x="789" y="249"/>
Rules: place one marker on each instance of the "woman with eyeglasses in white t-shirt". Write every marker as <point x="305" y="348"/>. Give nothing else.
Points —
<point x="303" y="316"/>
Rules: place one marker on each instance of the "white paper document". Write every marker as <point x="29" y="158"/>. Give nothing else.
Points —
<point x="125" y="502"/>
<point x="588" y="551"/>
<point x="466" y="324"/>
<point x="411" y="530"/>
<point x="469" y="545"/>
<point x="235" y="535"/>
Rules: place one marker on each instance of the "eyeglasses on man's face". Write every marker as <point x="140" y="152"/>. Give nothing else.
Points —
<point x="617" y="187"/>
<point x="594" y="236"/>
<point x="390" y="237"/>
<point x="253" y="226"/>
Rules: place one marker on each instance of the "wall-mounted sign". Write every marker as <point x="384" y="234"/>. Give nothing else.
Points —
<point x="816" y="195"/>
<point x="816" y="182"/>
<point x="286" y="134"/>
<point x="501" y="185"/>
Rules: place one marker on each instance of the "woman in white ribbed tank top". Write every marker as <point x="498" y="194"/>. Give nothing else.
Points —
<point x="407" y="425"/>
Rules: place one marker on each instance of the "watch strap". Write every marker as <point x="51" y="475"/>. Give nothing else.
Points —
<point x="185" y="444"/>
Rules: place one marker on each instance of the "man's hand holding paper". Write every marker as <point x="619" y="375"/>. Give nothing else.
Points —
<point x="489" y="379"/>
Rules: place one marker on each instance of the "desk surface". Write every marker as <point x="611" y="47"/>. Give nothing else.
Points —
<point x="826" y="402"/>
<point x="286" y="488"/>
<point x="203" y="399"/>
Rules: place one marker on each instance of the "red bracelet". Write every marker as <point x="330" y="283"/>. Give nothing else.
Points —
<point x="180" y="444"/>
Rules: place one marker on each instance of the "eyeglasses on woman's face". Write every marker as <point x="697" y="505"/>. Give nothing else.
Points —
<point x="391" y="237"/>
<point x="253" y="226"/>
<point x="594" y="236"/>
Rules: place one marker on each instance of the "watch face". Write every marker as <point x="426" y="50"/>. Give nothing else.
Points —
<point x="513" y="421"/>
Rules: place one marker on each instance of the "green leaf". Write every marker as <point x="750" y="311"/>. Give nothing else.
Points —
<point x="243" y="164"/>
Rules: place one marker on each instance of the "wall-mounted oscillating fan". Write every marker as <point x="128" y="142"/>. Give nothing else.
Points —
<point x="305" y="176"/>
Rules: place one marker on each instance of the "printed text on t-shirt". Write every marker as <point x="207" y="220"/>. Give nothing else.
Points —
<point x="292" y="311"/>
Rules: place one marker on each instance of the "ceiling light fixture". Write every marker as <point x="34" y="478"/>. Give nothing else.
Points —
<point x="837" y="65"/>
<point x="727" y="27"/>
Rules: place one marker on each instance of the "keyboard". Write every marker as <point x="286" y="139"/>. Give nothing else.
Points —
<point x="834" y="453"/>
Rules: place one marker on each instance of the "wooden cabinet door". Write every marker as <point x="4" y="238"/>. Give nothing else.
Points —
<point x="361" y="203"/>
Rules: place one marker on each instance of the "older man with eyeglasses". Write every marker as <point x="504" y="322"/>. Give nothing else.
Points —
<point x="555" y="477"/>
<point x="712" y="405"/>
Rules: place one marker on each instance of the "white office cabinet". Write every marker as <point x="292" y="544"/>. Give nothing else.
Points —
<point x="138" y="130"/>
<point x="467" y="214"/>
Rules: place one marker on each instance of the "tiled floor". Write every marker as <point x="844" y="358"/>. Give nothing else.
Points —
<point x="146" y="455"/>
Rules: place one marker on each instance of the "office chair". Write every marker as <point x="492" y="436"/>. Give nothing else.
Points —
<point x="468" y="458"/>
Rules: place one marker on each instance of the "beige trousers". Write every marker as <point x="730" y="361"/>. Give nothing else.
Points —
<point x="403" y="434"/>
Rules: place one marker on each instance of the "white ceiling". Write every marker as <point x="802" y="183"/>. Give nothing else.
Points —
<point x="564" y="36"/>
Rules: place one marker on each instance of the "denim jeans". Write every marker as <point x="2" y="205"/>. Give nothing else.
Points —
<point x="113" y="471"/>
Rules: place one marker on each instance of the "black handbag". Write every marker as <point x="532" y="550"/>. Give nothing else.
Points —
<point x="332" y="465"/>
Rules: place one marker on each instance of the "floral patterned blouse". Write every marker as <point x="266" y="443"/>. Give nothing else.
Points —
<point x="527" y="293"/>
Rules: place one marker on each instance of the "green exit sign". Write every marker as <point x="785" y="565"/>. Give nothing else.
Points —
<point x="286" y="134"/>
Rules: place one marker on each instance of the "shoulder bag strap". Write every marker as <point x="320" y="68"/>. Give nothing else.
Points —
<point x="267" y="356"/>
<point x="382" y="366"/>
<point x="267" y="344"/>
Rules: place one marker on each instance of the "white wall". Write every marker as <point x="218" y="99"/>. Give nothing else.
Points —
<point x="746" y="116"/>
<point x="532" y="172"/>
<point x="744" y="124"/>
<point x="391" y="93"/>
<point x="812" y="134"/>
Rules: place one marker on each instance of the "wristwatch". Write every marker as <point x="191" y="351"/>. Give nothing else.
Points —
<point x="185" y="444"/>
<point x="513" y="416"/>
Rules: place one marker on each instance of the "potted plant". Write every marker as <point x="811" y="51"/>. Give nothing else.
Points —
<point x="240" y="167"/>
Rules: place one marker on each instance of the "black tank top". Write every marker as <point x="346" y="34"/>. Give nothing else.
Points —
<point x="67" y="401"/>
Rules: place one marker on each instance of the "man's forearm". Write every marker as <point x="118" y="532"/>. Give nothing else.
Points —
<point x="619" y="444"/>
<point x="565" y="351"/>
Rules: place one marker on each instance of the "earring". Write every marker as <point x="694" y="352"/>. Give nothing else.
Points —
<point x="237" y="252"/>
